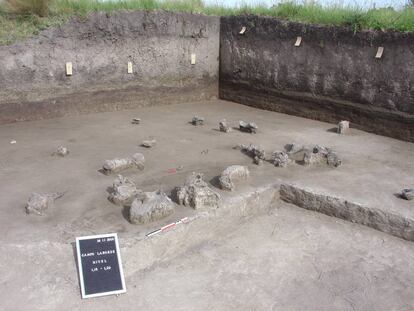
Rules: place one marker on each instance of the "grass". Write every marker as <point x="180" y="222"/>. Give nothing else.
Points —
<point x="17" y="25"/>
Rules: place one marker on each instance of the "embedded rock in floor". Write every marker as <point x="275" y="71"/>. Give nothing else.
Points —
<point x="118" y="165"/>
<point x="321" y="155"/>
<point x="256" y="152"/>
<point x="250" y="127"/>
<point x="149" y="143"/>
<point x="197" y="121"/>
<point x="124" y="191"/>
<point x="150" y="206"/>
<point x="407" y="194"/>
<point x="197" y="194"/>
<point x="343" y="127"/>
<point x="224" y="127"/>
<point x="38" y="203"/>
<point x="280" y="159"/>
<point x="62" y="151"/>
<point x="293" y="148"/>
<point x="231" y="175"/>
<point x="333" y="159"/>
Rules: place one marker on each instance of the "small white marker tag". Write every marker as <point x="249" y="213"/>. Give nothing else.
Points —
<point x="298" y="41"/>
<point x="243" y="30"/>
<point x="193" y="59"/>
<point x="379" y="52"/>
<point x="69" y="69"/>
<point x="130" y="67"/>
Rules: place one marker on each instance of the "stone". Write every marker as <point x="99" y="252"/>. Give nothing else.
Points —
<point x="293" y="148"/>
<point x="224" y="127"/>
<point x="149" y="143"/>
<point x="250" y="127"/>
<point x="197" y="194"/>
<point x="407" y="194"/>
<point x="343" y="127"/>
<point x="256" y="152"/>
<point x="280" y="158"/>
<point x="62" y="151"/>
<point x="118" y="165"/>
<point x="150" y="206"/>
<point x="231" y="175"/>
<point x="197" y="121"/>
<point x="333" y="159"/>
<point x="136" y="121"/>
<point x="124" y="191"/>
<point x="38" y="203"/>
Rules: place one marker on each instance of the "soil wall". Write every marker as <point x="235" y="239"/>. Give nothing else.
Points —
<point x="34" y="84"/>
<point x="333" y="75"/>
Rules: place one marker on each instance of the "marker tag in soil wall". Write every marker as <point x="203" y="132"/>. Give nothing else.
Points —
<point x="193" y="59"/>
<point x="243" y="30"/>
<point x="68" y="68"/>
<point x="379" y="52"/>
<point x="130" y="67"/>
<point x="298" y="41"/>
<point x="99" y="265"/>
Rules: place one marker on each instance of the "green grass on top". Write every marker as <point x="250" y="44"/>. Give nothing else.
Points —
<point x="16" y="25"/>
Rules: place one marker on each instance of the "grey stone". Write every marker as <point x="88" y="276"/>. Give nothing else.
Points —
<point x="197" y="121"/>
<point x="124" y="191"/>
<point x="62" y="151"/>
<point x="343" y="127"/>
<point x="149" y="143"/>
<point x="38" y="203"/>
<point x="293" y="148"/>
<point x="136" y="121"/>
<point x="256" y="152"/>
<point x="407" y="194"/>
<point x="333" y="159"/>
<point x="224" y="127"/>
<point x="117" y="165"/>
<point x="197" y="194"/>
<point x="312" y="158"/>
<point x="231" y="175"/>
<point x="280" y="158"/>
<point x="250" y="127"/>
<point x="150" y="206"/>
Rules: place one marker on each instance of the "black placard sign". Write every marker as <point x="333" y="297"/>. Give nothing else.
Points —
<point x="99" y="265"/>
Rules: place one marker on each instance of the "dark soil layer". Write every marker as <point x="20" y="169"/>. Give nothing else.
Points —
<point x="333" y="75"/>
<point x="34" y="85"/>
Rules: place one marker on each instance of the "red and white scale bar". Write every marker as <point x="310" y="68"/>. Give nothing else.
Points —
<point x="166" y="227"/>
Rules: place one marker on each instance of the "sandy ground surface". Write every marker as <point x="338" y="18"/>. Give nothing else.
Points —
<point x="309" y="262"/>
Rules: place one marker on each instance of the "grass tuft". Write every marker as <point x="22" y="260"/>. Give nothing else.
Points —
<point x="23" y="18"/>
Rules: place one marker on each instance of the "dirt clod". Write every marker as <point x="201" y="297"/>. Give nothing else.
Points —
<point x="38" y="203"/>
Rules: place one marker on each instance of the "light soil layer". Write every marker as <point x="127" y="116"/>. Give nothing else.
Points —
<point x="285" y="259"/>
<point x="223" y="259"/>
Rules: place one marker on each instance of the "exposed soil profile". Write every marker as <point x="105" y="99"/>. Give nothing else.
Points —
<point x="332" y="75"/>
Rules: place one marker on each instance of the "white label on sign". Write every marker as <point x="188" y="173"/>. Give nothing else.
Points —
<point x="130" y="67"/>
<point x="69" y="69"/>
<point x="298" y="41"/>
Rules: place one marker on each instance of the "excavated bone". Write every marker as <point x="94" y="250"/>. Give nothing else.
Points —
<point x="124" y="191"/>
<point x="250" y="127"/>
<point x="38" y="203"/>
<point x="256" y="152"/>
<point x="293" y="148"/>
<point x="118" y="165"/>
<point x="343" y="127"/>
<point x="231" y="175"/>
<point x="197" y="121"/>
<point x="333" y="159"/>
<point x="407" y="194"/>
<point x="280" y="159"/>
<point x="224" y="127"/>
<point x="197" y="194"/>
<point x="149" y="143"/>
<point x="149" y="207"/>
<point x="62" y="151"/>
